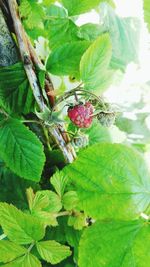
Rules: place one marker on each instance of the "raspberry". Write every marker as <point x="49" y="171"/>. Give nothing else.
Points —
<point x="81" y="114"/>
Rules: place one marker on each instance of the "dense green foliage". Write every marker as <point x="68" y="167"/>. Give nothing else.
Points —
<point x="94" y="211"/>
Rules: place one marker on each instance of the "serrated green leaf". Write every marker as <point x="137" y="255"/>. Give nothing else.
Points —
<point x="116" y="244"/>
<point x="61" y="31"/>
<point x="19" y="227"/>
<point x="147" y="12"/>
<point x="32" y="14"/>
<point x="78" y="221"/>
<point x="94" y="65"/>
<point x="39" y="201"/>
<point x="70" y="200"/>
<point x="77" y="7"/>
<point x="15" y="93"/>
<point x="116" y="184"/>
<point x="10" y="251"/>
<point x="65" y="59"/>
<point x="46" y="218"/>
<point x="124" y="34"/>
<point x="21" y="150"/>
<point x="59" y="182"/>
<point x="53" y="252"/>
<point x="26" y="261"/>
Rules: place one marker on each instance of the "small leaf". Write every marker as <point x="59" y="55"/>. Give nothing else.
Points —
<point x="65" y="59"/>
<point x="20" y="228"/>
<point x="28" y="260"/>
<point x="78" y="221"/>
<point x="70" y="200"/>
<point x="46" y="218"/>
<point x="10" y="251"/>
<point x="53" y="252"/>
<point x="94" y="65"/>
<point x="59" y="182"/>
<point x="21" y="150"/>
<point x="116" y="243"/>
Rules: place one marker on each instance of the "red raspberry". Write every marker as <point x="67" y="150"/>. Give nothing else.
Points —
<point x="81" y="114"/>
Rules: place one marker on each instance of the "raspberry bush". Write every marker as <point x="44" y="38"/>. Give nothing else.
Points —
<point x="74" y="182"/>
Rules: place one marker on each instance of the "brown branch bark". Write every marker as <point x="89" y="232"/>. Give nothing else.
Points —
<point x="29" y="59"/>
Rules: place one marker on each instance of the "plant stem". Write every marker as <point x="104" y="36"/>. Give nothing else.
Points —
<point x="2" y="236"/>
<point x="64" y="213"/>
<point x="30" y="247"/>
<point x="28" y="56"/>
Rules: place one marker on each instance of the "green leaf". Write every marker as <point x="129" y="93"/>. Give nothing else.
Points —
<point x="21" y="150"/>
<point x="11" y="193"/>
<point x="10" y="251"/>
<point x="15" y="93"/>
<point x="28" y="260"/>
<point x="116" y="184"/>
<point x="46" y="200"/>
<point x="19" y="227"/>
<point x="59" y="182"/>
<point x="89" y="31"/>
<point x="61" y="31"/>
<point x="53" y="252"/>
<point x="76" y="7"/>
<point x="116" y="244"/>
<point x="78" y="221"/>
<point x="32" y="14"/>
<point x="125" y="37"/>
<point x="70" y="200"/>
<point x="65" y="60"/>
<point x="147" y="12"/>
<point x="94" y="65"/>
<point x="46" y="218"/>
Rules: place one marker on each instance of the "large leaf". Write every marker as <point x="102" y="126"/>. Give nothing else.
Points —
<point x="28" y="260"/>
<point x="53" y="252"/>
<point x="147" y="12"/>
<point x="116" y="185"/>
<point x="60" y="31"/>
<point x="15" y="92"/>
<point x="76" y="7"/>
<point x="21" y="150"/>
<point x="125" y="36"/>
<point x="117" y="244"/>
<point x="94" y="65"/>
<point x="65" y="59"/>
<point x="19" y="227"/>
<point x="10" y="251"/>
